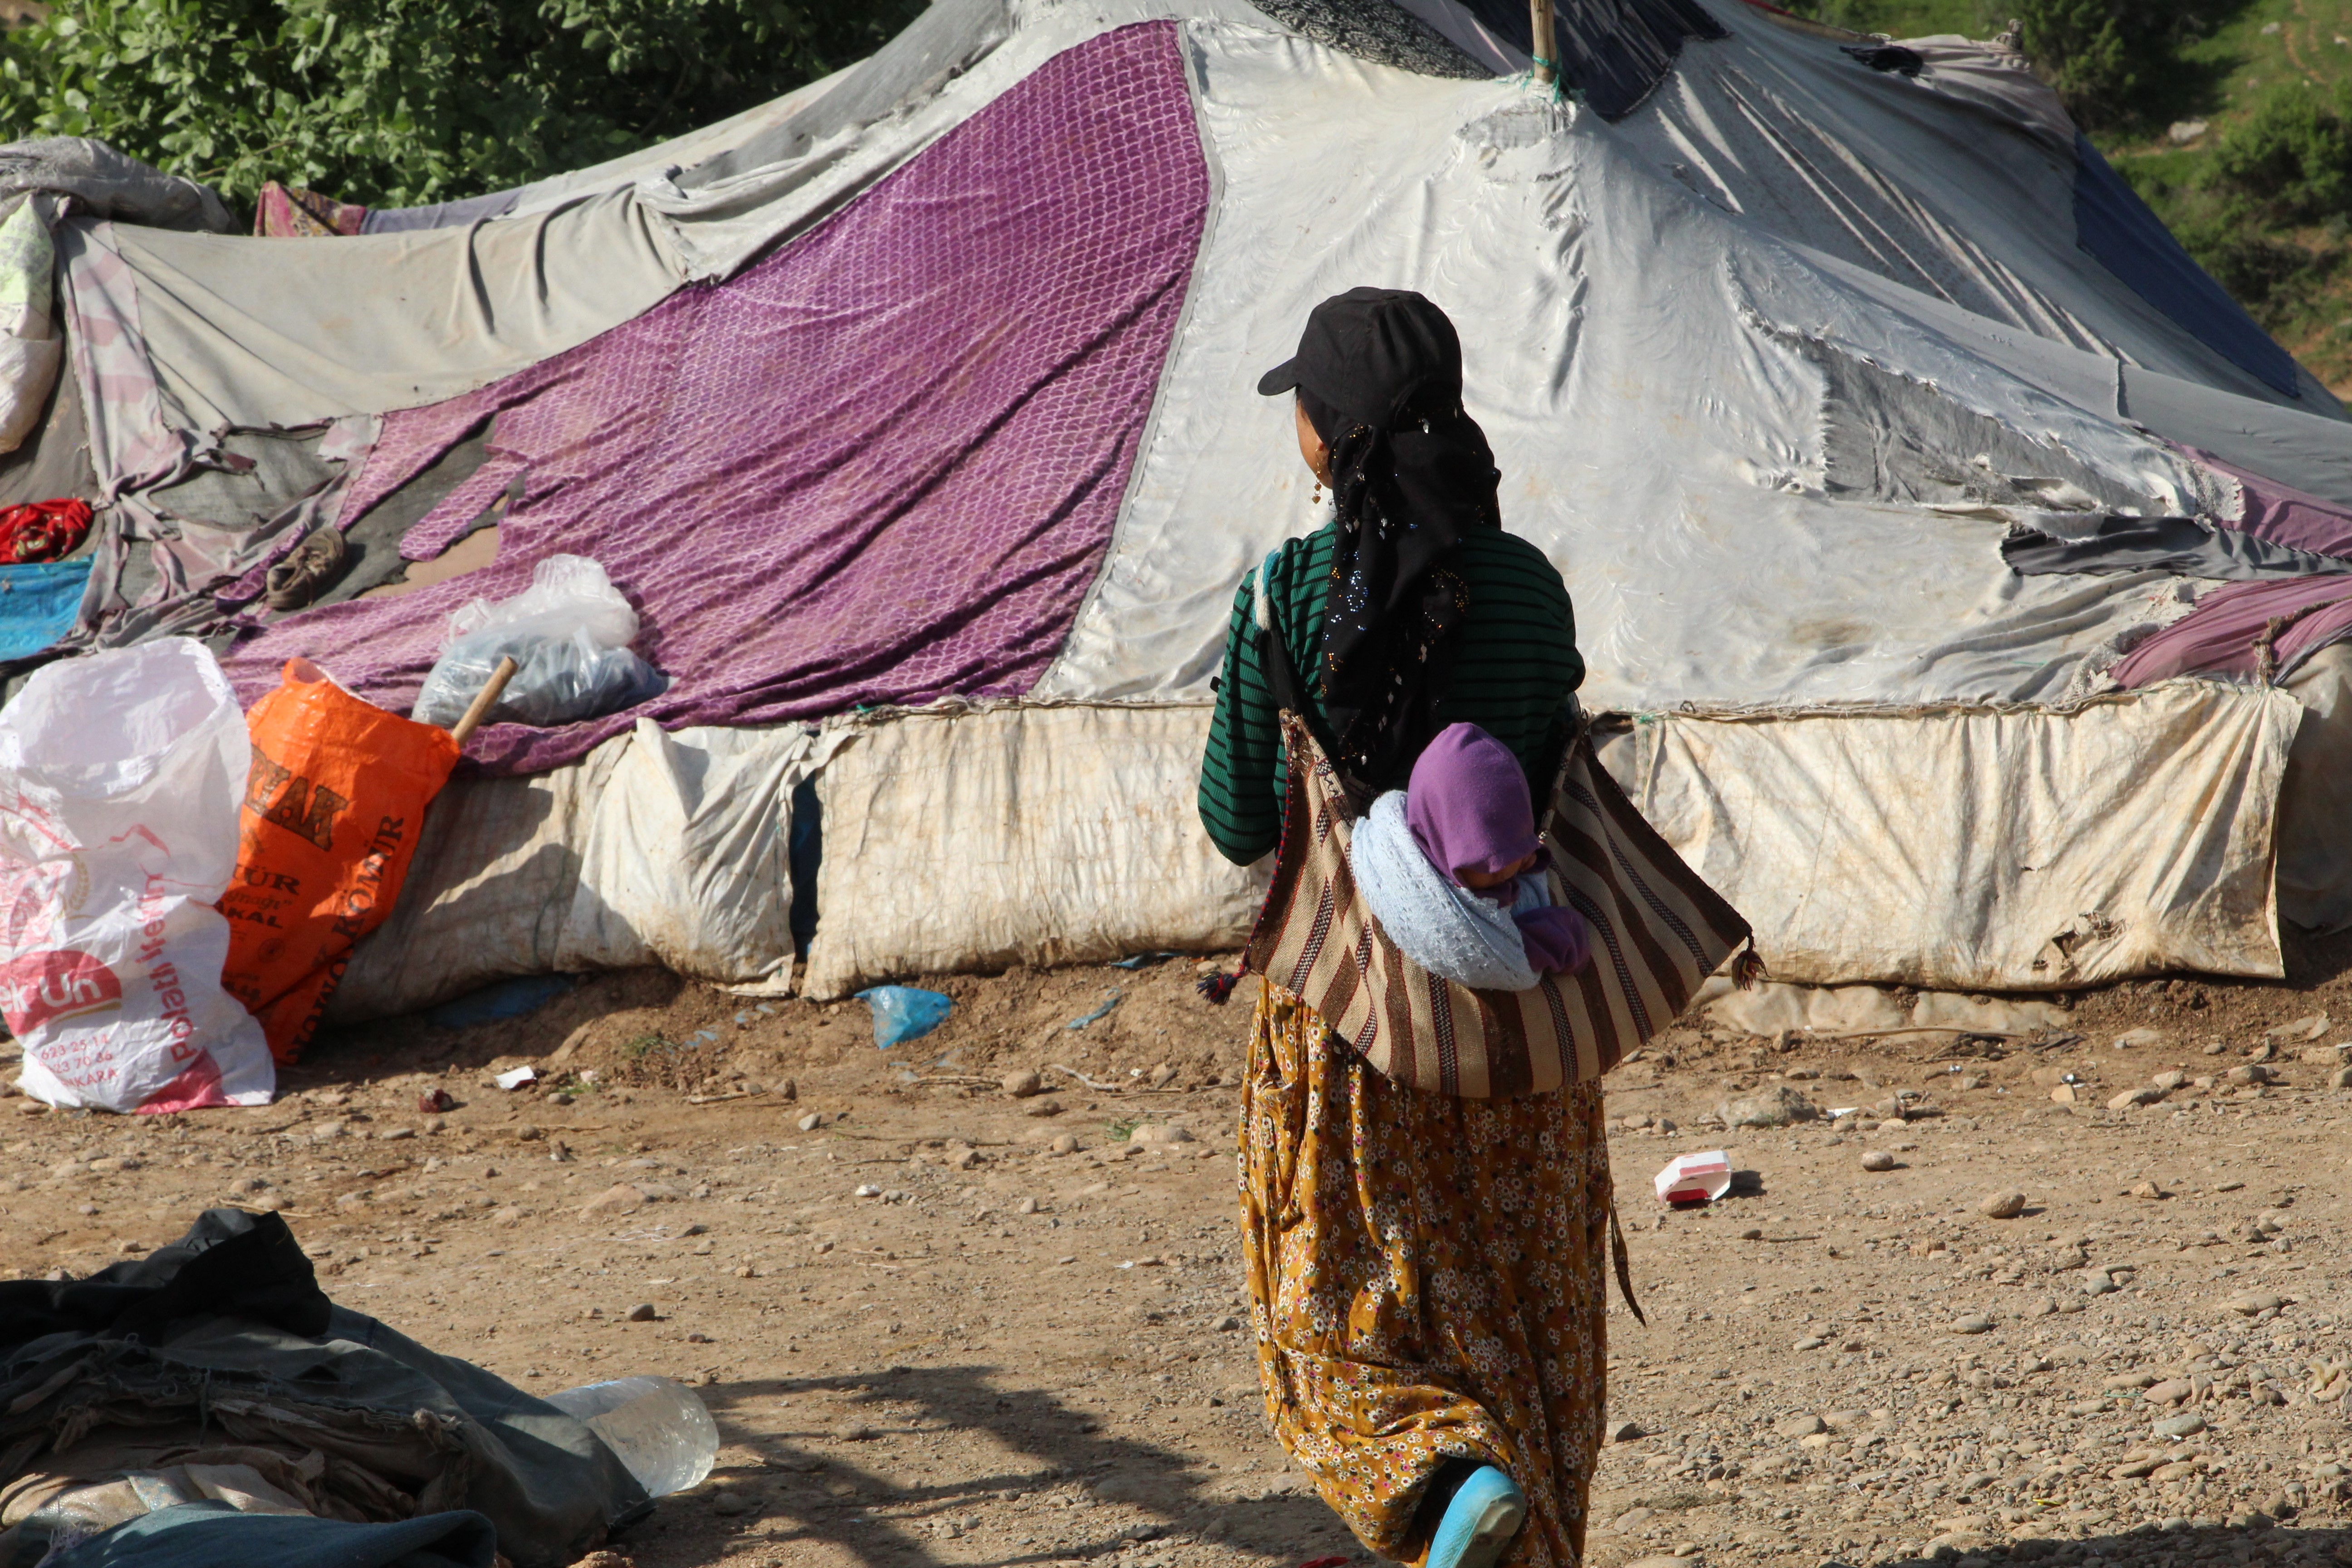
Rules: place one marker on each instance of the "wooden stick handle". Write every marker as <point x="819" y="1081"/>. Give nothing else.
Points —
<point x="1545" y="41"/>
<point x="484" y="700"/>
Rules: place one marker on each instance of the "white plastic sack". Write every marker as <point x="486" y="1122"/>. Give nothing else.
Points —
<point x="569" y="633"/>
<point x="30" y="349"/>
<point x="120" y="778"/>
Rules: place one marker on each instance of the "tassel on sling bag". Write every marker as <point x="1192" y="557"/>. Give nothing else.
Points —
<point x="1658" y="931"/>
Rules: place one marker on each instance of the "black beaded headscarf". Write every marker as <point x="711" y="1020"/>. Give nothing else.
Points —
<point x="1379" y="373"/>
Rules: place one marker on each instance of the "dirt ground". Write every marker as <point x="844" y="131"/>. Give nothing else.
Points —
<point x="939" y="1325"/>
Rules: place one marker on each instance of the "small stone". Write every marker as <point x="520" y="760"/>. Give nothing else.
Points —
<point x="1878" y="1160"/>
<point x="2147" y="1190"/>
<point x="2147" y="1094"/>
<point x="643" y="1312"/>
<point x="785" y="1088"/>
<point x="2340" y="1079"/>
<point x="2003" y="1206"/>
<point x="1779" y="1106"/>
<point x="529" y="1134"/>
<point x="2169" y="1080"/>
<point x="1227" y="1324"/>
<point x="2247" y="1305"/>
<point x="1625" y="1432"/>
<point x="1027" y="1205"/>
<point x="2142" y="1039"/>
<point x="867" y="1190"/>
<point x="246" y="1186"/>
<point x="1973" y="1324"/>
<point x="1161" y="1077"/>
<point x="618" y="1198"/>
<point x="1064" y="1143"/>
<point x="2063" y="1094"/>
<point x="395" y="1135"/>
<point x="962" y="1158"/>
<point x="1023" y="1084"/>
<point x="2250" y="1073"/>
<point x="2308" y="1027"/>
<point x="2172" y="1391"/>
<point x="1159" y="1132"/>
<point x="2187" y="1424"/>
<point x="1809" y="1343"/>
<point x="811" y="1122"/>
<point x="1042" y="1108"/>
<point x="1801" y="1427"/>
<point x="1752" y="1233"/>
<point x="728" y="1504"/>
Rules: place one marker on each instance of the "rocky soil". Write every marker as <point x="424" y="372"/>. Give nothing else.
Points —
<point x="942" y="1323"/>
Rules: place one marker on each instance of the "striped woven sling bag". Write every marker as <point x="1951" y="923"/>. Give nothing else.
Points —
<point x="1658" y="931"/>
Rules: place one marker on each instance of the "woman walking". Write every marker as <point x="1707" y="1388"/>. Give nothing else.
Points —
<point x="1427" y="1271"/>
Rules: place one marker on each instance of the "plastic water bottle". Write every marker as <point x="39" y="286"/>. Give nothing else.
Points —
<point x="656" y="1426"/>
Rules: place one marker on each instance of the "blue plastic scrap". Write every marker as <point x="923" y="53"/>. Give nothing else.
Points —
<point x="1115" y="998"/>
<point x="501" y="1001"/>
<point x="902" y="1013"/>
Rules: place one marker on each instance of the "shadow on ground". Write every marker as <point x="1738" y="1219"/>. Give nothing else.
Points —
<point x="812" y="1492"/>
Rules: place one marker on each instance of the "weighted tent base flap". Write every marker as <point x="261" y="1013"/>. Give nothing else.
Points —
<point x="1019" y="834"/>
<point x="1954" y="849"/>
<point x="955" y="838"/>
<point x="1976" y="849"/>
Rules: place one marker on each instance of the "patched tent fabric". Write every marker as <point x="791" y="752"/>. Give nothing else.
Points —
<point x="880" y="465"/>
<point x="919" y="407"/>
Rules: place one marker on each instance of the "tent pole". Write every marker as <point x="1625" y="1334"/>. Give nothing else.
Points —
<point x="1544" y="39"/>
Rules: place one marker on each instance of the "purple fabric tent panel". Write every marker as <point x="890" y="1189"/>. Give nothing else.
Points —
<point x="880" y="465"/>
<point x="2222" y="635"/>
<point x="2284" y="514"/>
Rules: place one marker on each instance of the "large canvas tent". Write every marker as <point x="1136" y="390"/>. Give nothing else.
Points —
<point x="1967" y="571"/>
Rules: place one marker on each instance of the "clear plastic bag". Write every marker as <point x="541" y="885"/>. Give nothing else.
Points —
<point x="569" y="634"/>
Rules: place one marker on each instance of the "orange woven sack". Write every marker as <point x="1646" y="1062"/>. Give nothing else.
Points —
<point x="333" y="808"/>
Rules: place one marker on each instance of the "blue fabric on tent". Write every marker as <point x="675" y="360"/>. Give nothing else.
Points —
<point x="2115" y="225"/>
<point x="1613" y="51"/>
<point x="214" y="1535"/>
<point x="440" y="215"/>
<point x="38" y="602"/>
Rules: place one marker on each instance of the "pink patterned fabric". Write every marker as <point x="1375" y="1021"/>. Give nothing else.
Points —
<point x="2225" y="633"/>
<point x="880" y="465"/>
<point x="2283" y="514"/>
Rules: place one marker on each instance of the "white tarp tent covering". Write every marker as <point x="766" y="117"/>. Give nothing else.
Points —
<point x="1772" y="365"/>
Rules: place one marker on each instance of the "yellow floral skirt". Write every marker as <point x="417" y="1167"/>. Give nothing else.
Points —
<point x="1426" y="1276"/>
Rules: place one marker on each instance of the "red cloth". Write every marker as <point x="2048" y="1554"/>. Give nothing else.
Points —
<point x="43" y="530"/>
<point x="289" y="212"/>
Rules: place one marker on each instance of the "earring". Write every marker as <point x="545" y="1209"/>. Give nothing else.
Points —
<point x="1318" y="493"/>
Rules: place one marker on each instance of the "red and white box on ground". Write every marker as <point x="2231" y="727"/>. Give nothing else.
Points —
<point x="1694" y="1179"/>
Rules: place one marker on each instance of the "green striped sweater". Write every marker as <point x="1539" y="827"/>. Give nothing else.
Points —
<point x="1513" y="672"/>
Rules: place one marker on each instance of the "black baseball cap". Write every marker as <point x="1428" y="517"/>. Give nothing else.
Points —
<point x="1376" y="356"/>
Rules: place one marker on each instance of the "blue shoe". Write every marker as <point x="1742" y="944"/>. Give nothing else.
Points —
<point x="1486" y="1512"/>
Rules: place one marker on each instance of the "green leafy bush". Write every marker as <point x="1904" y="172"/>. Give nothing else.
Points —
<point x="2111" y="60"/>
<point x="395" y="102"/>
<point x="2291" y="157"/>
